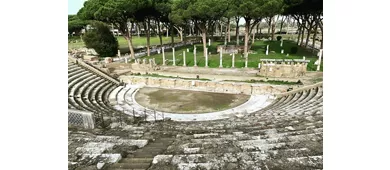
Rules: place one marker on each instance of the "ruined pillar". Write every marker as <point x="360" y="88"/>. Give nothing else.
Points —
<point x="206" y="61"/>
<point x="195" y="56"/>
<point x="163" y="55"/>
<point x="319" y="60"/>
<point x="246" y="60"/>
<point x="233" y="61"/>
<point x="174" y="59"/>
<point x="184" y="58"/>
<point x="220" y="57"/>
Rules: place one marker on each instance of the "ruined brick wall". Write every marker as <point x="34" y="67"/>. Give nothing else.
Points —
<point x="208" y="86"/>
<point x="283" y="68"/>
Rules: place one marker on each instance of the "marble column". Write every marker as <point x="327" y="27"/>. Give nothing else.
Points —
<point x="174" y="59"/>
<point x="233" y="61"/>
<point x="163" y="55"/>
<point x="220" y="58"/>
<point x="206" y="61"/>
<point x="319" y="60"/>
<point x="195" y="56"/>
<point x="184" y="59"/>
<point x="246" y="61"/>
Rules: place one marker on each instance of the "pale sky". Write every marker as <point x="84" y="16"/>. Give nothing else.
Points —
<point x="74" y="6"/>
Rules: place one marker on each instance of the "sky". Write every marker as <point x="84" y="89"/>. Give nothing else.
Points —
<point x="74" y="6"/>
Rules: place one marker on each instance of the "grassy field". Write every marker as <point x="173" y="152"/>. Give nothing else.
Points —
<point x="137" y="42"/>
<point x="186" y="101"/>
<point x="259" y="49"/>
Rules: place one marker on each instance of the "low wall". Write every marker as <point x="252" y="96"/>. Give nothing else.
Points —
<point x="93" y="69"/>
<point x="300" y="89"/>
<point x="208" y="86"/>
<point x="291" y="68"/>
<point x="80" y="118"/>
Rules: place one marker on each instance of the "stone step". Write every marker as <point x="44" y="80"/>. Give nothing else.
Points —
<point x="136" y="160"/>
<point x="150" y="150"/>
<point x="131" y="165"/>
<point x="127" y="169"/>
<point x="143" y="155"/>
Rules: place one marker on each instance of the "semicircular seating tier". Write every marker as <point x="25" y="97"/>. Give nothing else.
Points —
<point x="88" y="90"/>
<point x="286" y="134"/>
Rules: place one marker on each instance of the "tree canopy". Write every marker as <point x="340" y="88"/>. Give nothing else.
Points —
<point x="101" y="39"/>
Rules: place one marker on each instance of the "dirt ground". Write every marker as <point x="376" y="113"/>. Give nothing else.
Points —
<point x="186" y="101"/>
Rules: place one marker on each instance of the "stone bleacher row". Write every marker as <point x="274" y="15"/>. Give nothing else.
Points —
<point x="287" y="134"/>
<point x="88" y="91"/>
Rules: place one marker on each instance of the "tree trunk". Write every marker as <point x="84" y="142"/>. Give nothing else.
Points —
<point x="237" y="32"/>
<point x="190" y="27"/>
<point x="307" y="37"/>
<point x="299" y="34"/>
<point x="138" y="29"/>
<point x="314" y="37"/>
<point x="269" y="26"/>
<point x="303" y="33"/>
<point x="247" y="26"/>
<point x="257" y="28"/>
<point x="204" y="42"/>
<point x="127" y="35"/>
<point x="221" y="33"/>
<point x="228" y="32"/>
<point x="147" y="29"/>
<point x="172" y="37"/>
<point x="159" y="34"/>
<point x="273" y="30"/>
<point x="281" y="27"/>
<point x="302" y="36"/>
<point x="180" y="31"/>
<point x="167" y="30"/>
<point x="253" y="37"/>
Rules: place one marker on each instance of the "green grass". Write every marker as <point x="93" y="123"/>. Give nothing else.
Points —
<point x="275" y="82"/>
<point x="259" y="49"/>
<point x="157" y="75"/>
<point x="123" y="46"/>
<point x="187" y="101"/>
